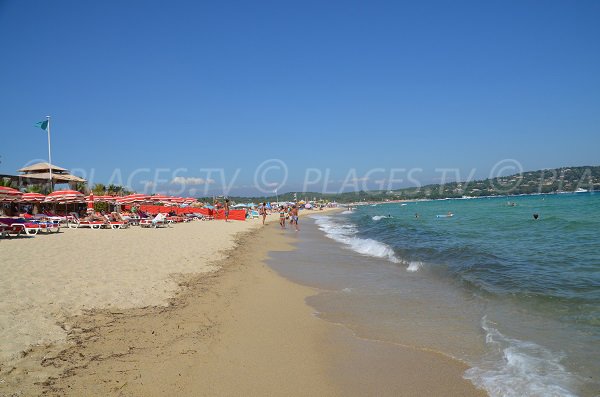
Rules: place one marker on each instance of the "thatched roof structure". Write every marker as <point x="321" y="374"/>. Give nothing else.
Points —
<point x="41" y="171"/>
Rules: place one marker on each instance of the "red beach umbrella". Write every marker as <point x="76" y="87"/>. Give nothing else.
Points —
<point x="101" y="199"/>
<point x="9" y="194"/>
<point x="33" y="198"/>
<point x="65" y="196"/>
<point x="132" y="198"/>
<point x="159" y="198"/>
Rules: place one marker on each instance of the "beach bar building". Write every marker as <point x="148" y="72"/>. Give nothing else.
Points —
<point x="39" y="174"/>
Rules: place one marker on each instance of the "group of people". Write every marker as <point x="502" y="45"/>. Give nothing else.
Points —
<point x="290" y="213"/>
<point x="225" y="206"/>
<point x="286" y="213"/>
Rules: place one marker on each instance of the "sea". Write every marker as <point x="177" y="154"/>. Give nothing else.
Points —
<point x="515" y="298"/>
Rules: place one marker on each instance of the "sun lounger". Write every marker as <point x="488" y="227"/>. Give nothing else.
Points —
<point x="4" y="230"/>
<point x="159" y="220"/>
<point x="118" y="225"/>
<point x="18" y="226"/>
<point x="47" y="226"/>
<point x="91" y="224"/>
<point x="132" y="220"/>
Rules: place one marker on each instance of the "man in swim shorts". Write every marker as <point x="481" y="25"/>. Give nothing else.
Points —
<point x="295" y="217"/>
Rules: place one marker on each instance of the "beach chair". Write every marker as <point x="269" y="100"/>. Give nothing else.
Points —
<point x="207" y="217"/>
<point x="118" y="224"/>
<point x="47" y="225"/>
<point x="133" y="220"/>
<point x="79" y="224"/>
<point x="254" y="214"/>
<point x="18" y="226"/>
<point x="157" y="221"/>
<point x="4" y="230"/>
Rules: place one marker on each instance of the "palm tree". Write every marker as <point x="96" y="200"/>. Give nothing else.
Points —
<point x="34" y="189"/>
<point x="112" y="189"/>
<point x="6" y="182"/>
<point x="80" y="187"/>
<point x="99" y="189"/>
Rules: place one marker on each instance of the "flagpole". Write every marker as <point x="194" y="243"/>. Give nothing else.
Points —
<point x="49" y="154"/>
<point x="277" y="196"/>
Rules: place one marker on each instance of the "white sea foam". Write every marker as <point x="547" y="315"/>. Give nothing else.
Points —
<point x="515" y="368"/>
<point x="346" y="234"/>
<point x="346" y="212"/>
<point x="378" y="217"/>
<point x="414" y="266"/>
<point x="347" y="290"/>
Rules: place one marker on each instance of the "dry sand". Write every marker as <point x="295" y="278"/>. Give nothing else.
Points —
<point x="240" y="330"/>
<point x="47" y="278"/>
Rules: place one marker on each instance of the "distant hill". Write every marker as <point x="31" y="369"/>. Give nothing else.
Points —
<point x="566" y="179"/>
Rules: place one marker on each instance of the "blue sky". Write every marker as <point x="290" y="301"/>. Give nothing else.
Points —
<point x="176" y="88"/>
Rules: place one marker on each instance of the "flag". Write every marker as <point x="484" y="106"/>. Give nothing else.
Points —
<point x="43" y="125"/>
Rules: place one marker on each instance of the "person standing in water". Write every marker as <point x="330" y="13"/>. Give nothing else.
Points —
<point x="295" y="217"/>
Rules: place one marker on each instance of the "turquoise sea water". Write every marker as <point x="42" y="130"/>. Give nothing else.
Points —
<point x="516" y="298"/>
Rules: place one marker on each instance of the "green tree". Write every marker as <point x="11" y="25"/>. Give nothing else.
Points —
<point x="99" y="189"/>
<point x="6" y="182"/>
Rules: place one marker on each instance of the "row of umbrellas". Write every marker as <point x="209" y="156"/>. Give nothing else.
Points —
<point x="8" y="194"/>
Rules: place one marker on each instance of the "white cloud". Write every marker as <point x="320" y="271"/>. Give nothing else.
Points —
<point x="148" y="184"/>
<point x="180" y="180"/>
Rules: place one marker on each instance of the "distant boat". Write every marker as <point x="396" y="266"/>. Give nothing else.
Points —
<point x="580" y="190"/>
<point x="450" y="215"/>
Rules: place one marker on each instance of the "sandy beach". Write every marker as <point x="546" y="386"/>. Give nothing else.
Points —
<point x="121" y="314"/>
<point x="48" y="278"/>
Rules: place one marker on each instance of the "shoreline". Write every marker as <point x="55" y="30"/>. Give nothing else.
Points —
<point x="242" y="329"/>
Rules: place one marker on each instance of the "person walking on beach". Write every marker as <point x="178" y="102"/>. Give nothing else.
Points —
<point x="262" y="210"/>
<point x="281" y="217"/>
<point x="226" y="208"/>
<point x="295" y="217"/>
<point x="215" y="208"/>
